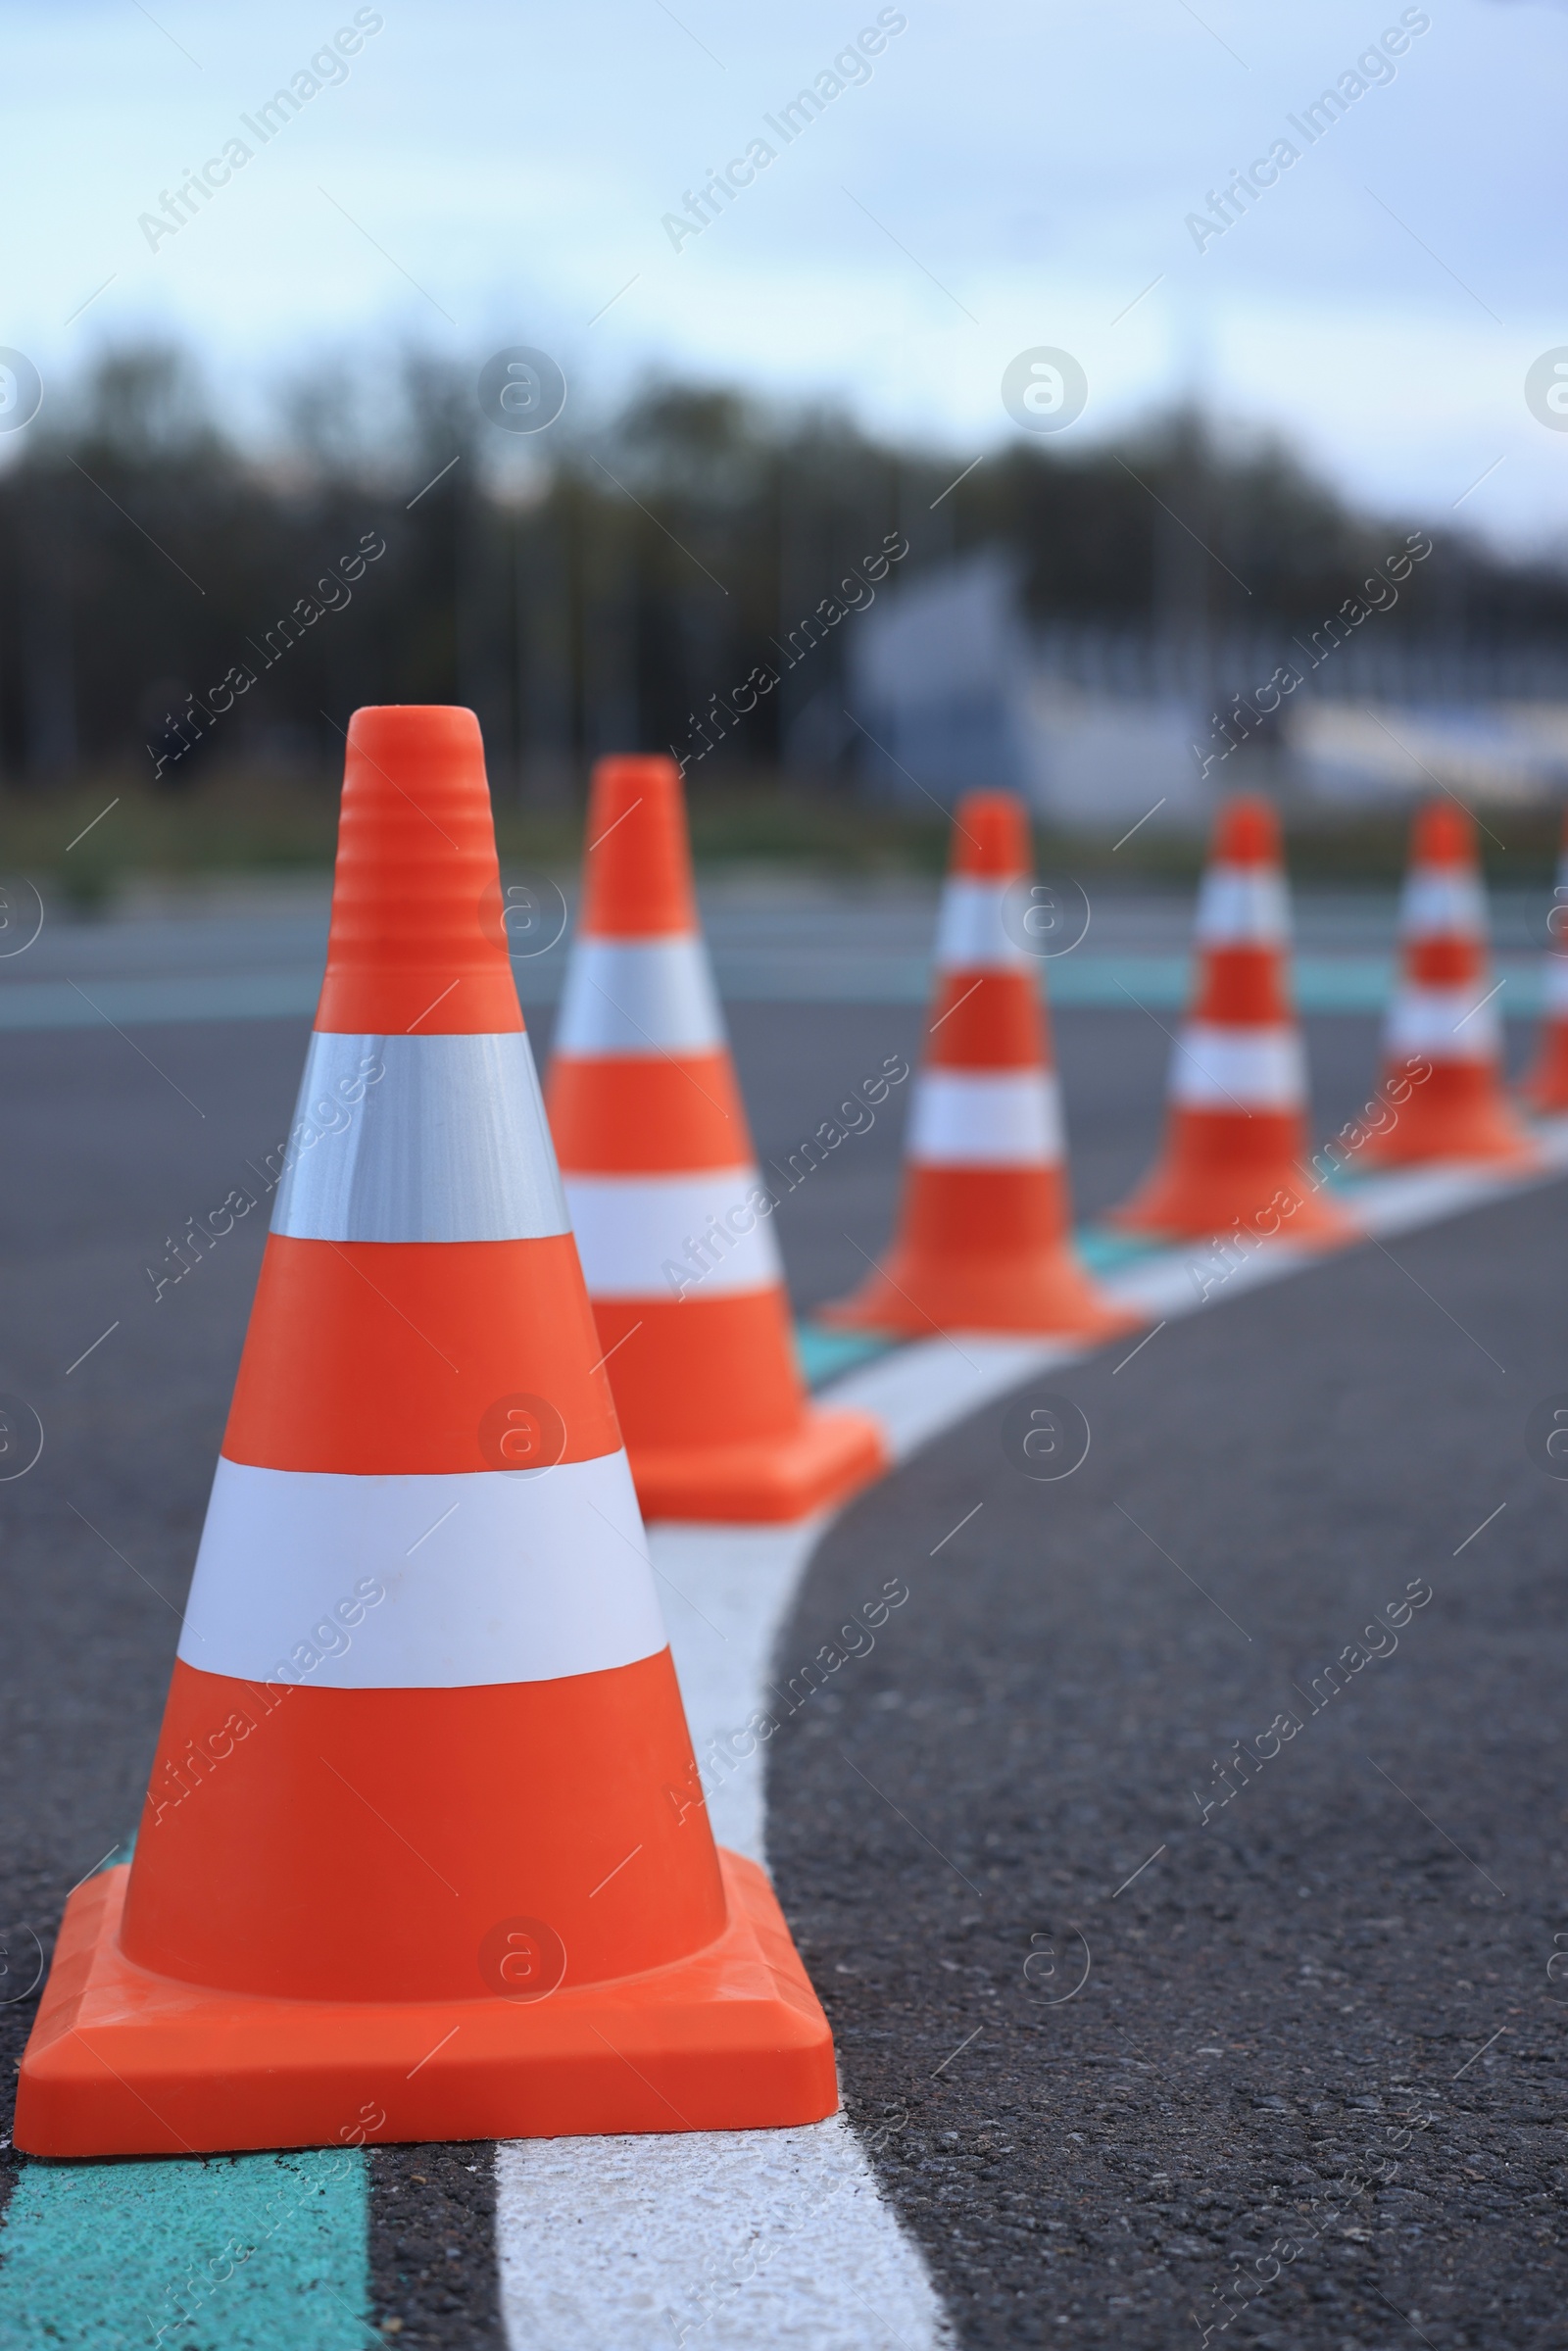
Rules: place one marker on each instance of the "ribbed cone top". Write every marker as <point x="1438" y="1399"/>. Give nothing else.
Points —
<point x="637" y="855"/>
<point x="1247" y="832"/>
<point x="1443" y="834"/>
<point x="990" y="837"/>
<point x="417" y="945"/>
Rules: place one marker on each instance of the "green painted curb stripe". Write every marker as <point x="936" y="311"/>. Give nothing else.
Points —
<point x="1351" y="983"/>
<point x="222" y="2253"/>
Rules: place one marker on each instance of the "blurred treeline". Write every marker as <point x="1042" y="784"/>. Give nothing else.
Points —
<point x="592" y="587"/>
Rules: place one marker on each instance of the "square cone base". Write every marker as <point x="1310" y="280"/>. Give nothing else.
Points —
<point x="826" y="1457"/>
<point x="122" y="2062"/>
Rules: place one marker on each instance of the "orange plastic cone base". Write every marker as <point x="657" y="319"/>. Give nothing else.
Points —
<point x="727" y="1363"/>
<point x="1221" y="1168"/>
<point x="1460" y="1112"/>
<point x="126" y="2061"/>
<point x="831" y="1454"/>
<point x="1546" y="1088"/>
<point x="915" y="1296"/>
<point x="981" y="1250"/>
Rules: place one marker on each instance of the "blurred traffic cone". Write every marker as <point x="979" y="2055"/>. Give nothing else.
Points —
<point x="1545" y="1087"/>
<point x="1237" y="1090"/>
<point x="985" y="1232"/>
<point x="671" y="1217"/>
<point x="1444" y="1013"/>
<point x="423" y="1855"/>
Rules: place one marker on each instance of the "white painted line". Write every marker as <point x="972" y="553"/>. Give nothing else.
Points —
<point x="769" y="2239"/>
<point x="744" y="2238"/>
<point x="713" y="2240"/>
<point x="921" y="1390"/>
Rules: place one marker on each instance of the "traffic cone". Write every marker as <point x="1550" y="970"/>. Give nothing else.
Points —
<point x="1237" y="1090"/>
<point x="1545" y="1087"/>
<point x="985" y="1232"/>
<point x="671" y="1217"/>
<point x="423" y="1855"/>
<point x="1444" y="1013"/>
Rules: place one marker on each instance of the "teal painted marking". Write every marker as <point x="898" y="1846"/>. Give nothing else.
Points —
<point x="226" y="2253"/>
<point x="1159" y="983"/>
<point x="223" y="2253"/>
<point x="824" y="1354"/>
<point x="1103" y="1250"/>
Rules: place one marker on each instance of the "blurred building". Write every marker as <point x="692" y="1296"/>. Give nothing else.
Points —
<point x="1095" y="724"/>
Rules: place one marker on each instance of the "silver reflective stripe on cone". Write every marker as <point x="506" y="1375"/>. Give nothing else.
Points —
<point x="639" y="995"/>
<point x="432" y="1581"/>
<point x="420" y="1139"/>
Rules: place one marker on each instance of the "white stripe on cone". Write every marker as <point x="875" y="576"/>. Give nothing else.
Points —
<point x="1221" y="1068"/>
<point x="639" y="995"/>
<point x="419" y="1139"/>
<point x="1444" y="1024"/>
<point x="424" y="1582"/>
<point x="992" y="1118"/>
<point x="1442" y="901"/>
<point x="971" y="930"/>
<point x="1555" y="984"/>
<point x="1243" y="905"/>
<point x="632" y="1228"/>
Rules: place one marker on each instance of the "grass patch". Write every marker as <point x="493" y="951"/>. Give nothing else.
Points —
<point x="252" y="822"/>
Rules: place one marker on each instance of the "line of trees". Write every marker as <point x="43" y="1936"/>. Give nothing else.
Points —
<point x="172" y="598"/>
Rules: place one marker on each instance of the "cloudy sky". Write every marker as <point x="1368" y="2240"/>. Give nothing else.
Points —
<point x="1000" y="178"/>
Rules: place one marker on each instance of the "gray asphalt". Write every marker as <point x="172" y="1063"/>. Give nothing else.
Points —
<point x="1317" y="2048"/>
<point x="112" y="1142"/>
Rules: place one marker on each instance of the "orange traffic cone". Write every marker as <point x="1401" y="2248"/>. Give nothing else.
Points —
<point x="1236" y="1131"/>
<point x="422" y="1855"/>
<point x="1444" y="1011"/>
<point x="984" y="1239"/>
<point x="671" y="1217"/>
<point x="1545" y="1087"/>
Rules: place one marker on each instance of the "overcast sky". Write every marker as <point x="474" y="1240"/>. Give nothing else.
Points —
<point x="1003" y="177"/>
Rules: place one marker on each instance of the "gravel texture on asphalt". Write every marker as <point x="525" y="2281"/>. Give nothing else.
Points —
<point x="433" y="2247"/>
<point x="1142" y="2062"/>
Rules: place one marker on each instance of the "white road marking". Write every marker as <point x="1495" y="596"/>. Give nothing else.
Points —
<point x="741" y="2238"/>
<point x="751" y="2240"/>
<point x="713" y="2240"/>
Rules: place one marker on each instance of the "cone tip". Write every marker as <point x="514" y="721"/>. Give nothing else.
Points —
<point x="637" y="880"/>
<point x="1247" y="832"/>
<point x="627" y="772"/>
<point x="990" y="836"/>
<point x="1443" y="834"/>
<point x="380" y="732"/>
<point x="416" y="932"/>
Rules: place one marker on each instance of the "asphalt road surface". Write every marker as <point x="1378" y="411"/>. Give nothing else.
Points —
<point x="1272" y="1996"/>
